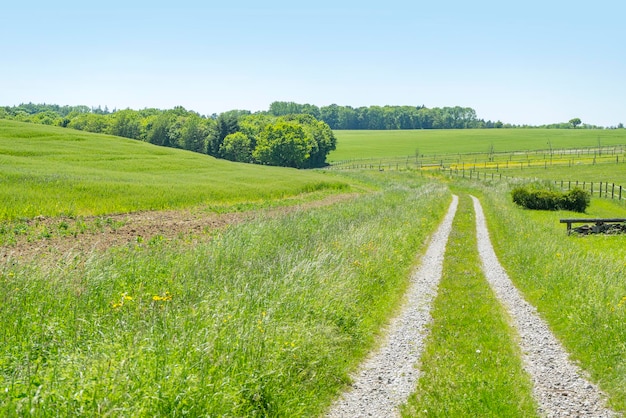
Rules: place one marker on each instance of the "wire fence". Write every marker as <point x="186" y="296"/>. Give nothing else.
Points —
<point x="461" y="165"/>
<point x="492" y="160"/>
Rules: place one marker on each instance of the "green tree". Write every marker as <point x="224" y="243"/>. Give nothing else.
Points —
<point x="319" y="136"/>
<point x="575" y="122"/>
<point x="194" y="134"/>
<point x="237" y="147"/>
<point x="126" y="123"/>
<point x="283" y="144"/>
<point x="157" y="129"/>
<point x="227" y="123"/>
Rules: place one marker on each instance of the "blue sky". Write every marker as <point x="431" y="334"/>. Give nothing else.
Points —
<point x="531" y="62"/>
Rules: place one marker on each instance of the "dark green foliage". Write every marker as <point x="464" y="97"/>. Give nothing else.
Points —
<point x="126" y="123"/>
<point x="292" y="140"/>
<point x="387" y="117"/>
<point x="283" y="144"/>
<point x="227" y="123"/>
<point x="237" y="147"/>
<point x="575" y="200"/>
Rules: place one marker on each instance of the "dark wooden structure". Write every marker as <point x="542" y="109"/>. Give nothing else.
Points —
<point x="600" y="225"/>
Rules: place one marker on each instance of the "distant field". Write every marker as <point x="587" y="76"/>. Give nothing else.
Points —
<point x="54" y="171"/>
<point x="612" y="173"/>
<point x="381" y="144"/>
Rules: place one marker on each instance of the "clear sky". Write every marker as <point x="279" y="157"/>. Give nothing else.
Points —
<point x="523" y="62"/>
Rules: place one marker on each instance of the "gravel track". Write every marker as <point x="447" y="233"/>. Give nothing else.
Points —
<point x="559" y="385"/>
<point x="389" y="375"/>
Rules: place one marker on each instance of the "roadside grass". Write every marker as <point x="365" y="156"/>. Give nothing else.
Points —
<point x="50" y="171"/>
<point x="268" y="318"/>
<point x="359" y="144"/>
<point x="576" y="282"/>
<point x="471" y="365"/>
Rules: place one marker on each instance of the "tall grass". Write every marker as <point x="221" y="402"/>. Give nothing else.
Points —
<point x="266" y="319"/>
<point x="576" y="282"/>
<point x="471" y="365"/>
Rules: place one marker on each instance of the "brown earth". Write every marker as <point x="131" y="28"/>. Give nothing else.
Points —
<point x="139" y="227"/>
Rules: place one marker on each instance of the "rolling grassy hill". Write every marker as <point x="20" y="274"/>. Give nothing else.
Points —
<point x="53" y="171"/>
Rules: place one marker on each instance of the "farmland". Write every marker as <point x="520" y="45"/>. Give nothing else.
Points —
<point x="356" y="145"/>
<point x="48" y="171"/>
<point x="269" y="314"/>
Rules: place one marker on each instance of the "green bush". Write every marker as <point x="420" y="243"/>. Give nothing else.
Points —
<point x="575" y="200"/>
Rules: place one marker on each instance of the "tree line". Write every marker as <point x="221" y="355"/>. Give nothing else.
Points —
<point x="288" y="134"/>
<point x="407" y="117"/>
<point x="388" y="117"/>
<point x="299" y="141"/>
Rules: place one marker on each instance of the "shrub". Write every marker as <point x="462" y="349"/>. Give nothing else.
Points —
<point x="575" y="200"/>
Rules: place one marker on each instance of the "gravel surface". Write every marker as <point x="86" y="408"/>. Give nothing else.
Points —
<point x="559" y="385"/>
<point x="389" y="375"/>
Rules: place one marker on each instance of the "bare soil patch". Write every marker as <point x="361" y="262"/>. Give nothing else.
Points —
<point x="118" y="230"/>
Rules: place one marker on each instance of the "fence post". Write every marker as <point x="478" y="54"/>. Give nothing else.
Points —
<point x="613" y="191"/>
<point x="600" y="195"/>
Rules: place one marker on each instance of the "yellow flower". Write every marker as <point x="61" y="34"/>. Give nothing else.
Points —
<point x="166" y="297"/>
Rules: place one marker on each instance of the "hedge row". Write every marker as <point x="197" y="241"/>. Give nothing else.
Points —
<point x="575" y="200"/>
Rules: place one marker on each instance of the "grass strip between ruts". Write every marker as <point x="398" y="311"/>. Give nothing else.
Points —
<point x="471" y="365"/>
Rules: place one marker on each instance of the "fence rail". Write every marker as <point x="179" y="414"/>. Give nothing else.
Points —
<point x="493" y="160"/>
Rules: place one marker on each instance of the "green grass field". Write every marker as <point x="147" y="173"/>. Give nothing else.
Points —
<point x="269" y="317"/>
<point x="52" y="171"/>
<point x="353" y="145"/>
<point x="265" y="319"/>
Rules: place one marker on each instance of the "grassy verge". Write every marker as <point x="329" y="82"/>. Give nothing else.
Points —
<point x="266" y="319"/>
<point x="471" y="365"/>
<point x="576" y="282"/>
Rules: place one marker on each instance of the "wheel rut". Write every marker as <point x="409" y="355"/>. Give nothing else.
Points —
<point x="389" y="375"/>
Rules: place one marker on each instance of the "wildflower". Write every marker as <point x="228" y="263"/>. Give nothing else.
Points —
<point x="166" y="297"/>
<point x="124" y="297"/>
